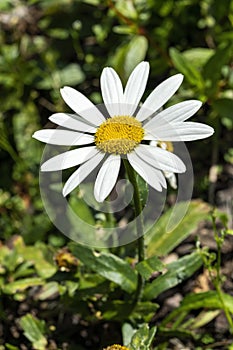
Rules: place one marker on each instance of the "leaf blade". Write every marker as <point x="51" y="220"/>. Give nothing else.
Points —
<point x="107" y="265"/>
<point x="177" y="272"/>
<point x="160" y="241"/>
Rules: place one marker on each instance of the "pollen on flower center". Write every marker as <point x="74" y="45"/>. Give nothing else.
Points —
<point x="119" y="135"/>
<point x="116" y="347"/>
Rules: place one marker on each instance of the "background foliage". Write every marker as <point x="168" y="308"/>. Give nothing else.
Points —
<point x="54" y="294"/>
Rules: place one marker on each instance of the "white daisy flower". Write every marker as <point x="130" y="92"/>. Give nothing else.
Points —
<point x="125" y="133"/>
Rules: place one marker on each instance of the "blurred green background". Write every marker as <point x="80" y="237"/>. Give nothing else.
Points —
<point x="46" y="44"/>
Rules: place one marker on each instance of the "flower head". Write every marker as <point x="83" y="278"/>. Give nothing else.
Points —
<point x="116" y="347"/>
<point x="126" y="132"/>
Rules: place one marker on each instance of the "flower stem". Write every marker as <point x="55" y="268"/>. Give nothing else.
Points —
<point x="139" y="224"/>
<point x="217" y="280"/>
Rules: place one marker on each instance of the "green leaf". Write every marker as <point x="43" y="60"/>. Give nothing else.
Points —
<point x="144" y="310"/>
<point x="25" y="123"/>
<point x="127" y="333"/>
<point x="24" y="270"/>
<point x="213" y="67"/>
<point x="41" y="256"/>
<point x="203" y="318"/>
<point x="198" y="56"/>
<point x="176" y="273"/>
<point x="4" y="252"/>
<point x="92" y="2"/>
<point x="129" y="55"/>
<point x="92" y="282"/>
<point x="48" y="290"/>
<point x="107" y="265"/>
<point x="5" y="5"/>
<point x="191" y="73"/>
<point x="71" y="287"/>
<point x="13" y="287"/>
<point x="143" y="338"/>
<point x="71" y="75"/>
<point x="127" y="9"/>
<point x="6" y="145"/>
<point x="80" y="207"/>
<point x="34" y="331"/>
<point x="182" y="334"/>
<point x="160" y="240"/>
<point x="124" y="29"/>
<point x="11" y="347"/>
<point x="119" y="310"/>
<point x="224" y="108"/>
<point x="136" y="53"/>
<point x="148" y="266"/>
<point x="208" y="300"/>
<point x="58" y="33"/>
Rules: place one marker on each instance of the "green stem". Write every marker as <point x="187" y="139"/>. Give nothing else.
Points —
<point x="217" y="281"/>
<point x="219" y="289"/>
<point x="225" y="309"/>
<point x="213" y="171"/>
<point x="139" y="224"/>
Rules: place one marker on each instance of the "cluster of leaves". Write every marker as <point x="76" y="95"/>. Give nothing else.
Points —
<point x="44" y="46"/>
<point x="97" y="286"/>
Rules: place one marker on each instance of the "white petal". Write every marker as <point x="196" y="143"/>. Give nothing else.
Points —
<point x="69" y="159"/>
<point x="151" y="175"/>
<point x="177" y="113"/>
<point x="160" y="158"/>
<point x="159" y="96"/>
<point x="171" y="178"/>
<point x="82" y="105"/>
<point x="135" y="87"/>
<point x="63" y="137"/>
<point x="72" y="121"/>
<point x="112" y="91"/>
<point x="83" y="171"/>
<point x="186" y="131"/>
<point x="107" y="177"/>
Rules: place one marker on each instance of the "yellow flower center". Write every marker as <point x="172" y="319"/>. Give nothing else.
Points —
<point x="116" y="347"/>
<point x="119" y="135"/>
